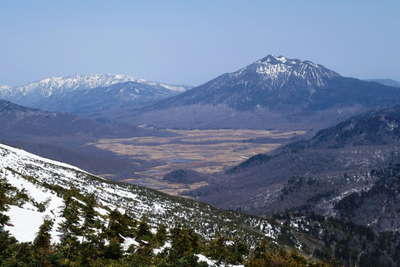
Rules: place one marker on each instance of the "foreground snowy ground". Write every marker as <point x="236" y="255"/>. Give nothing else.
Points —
<point x="37" y="177"/>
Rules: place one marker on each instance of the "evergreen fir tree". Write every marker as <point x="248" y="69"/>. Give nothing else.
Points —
<point x="143" y="232"/>
<point x="4" y="202"/>
<point x="89" y="216"/>
<point x="42" y="243"/>
<point x="69" y="228"/>
<point x="117" y="227"/>
<point x="238" y="252"/>
<point x="113" y="250"/>
<point x="217" y="249"/>
<point x="7" y="246"/>
<point x="185" y="243"/>
<point x="161" y="235"/>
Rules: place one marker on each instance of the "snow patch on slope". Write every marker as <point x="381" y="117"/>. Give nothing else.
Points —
<point x="213" y="263"/>
<point x="25" y="221"/>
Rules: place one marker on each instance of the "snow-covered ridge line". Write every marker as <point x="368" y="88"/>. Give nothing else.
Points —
<point x="59" y="84"/>
<point x="24" y="154"/>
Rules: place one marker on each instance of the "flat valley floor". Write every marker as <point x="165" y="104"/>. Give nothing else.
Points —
<point x="206" y="151"/>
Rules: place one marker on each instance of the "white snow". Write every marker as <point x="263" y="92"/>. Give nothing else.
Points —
<point x="128" y="242"/>
<point x="161" y="249"/>
<point x="213" y="263"/>
<point x="58" y="85"/>
<point x="101" y="211"/>
<point x="24" y="223"/>
<point x="279" y="70"/>
<point x="19" y="154"/>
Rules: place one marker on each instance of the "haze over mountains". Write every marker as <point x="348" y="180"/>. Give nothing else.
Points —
<point x="273" y="92"/>
<point x="311" y="191"/>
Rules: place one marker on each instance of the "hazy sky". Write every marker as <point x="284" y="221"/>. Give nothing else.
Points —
<point x="192" y="41"/>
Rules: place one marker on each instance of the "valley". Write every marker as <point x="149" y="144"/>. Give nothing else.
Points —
<point x="204" y="151"/>
<point x="35" y="190"/>
<point x="196" y="134"/>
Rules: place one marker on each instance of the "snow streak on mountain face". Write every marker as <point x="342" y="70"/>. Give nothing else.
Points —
<point x="279" y="71"/>
<point x="40" y="177"/>
<point x="59" y="85"/>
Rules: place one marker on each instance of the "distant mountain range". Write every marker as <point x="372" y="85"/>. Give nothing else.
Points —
<point x="388" y="82"/>
<point x="349" y="171"/>
<point x="273" y="92"/>
<point x="96" y="95"/>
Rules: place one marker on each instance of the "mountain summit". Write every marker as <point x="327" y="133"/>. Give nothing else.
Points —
<point x="272" y="92"/>
<point x="280" y="71"/>
<point x="95" y="94"/>
<point x="268" y="82"/>
<point x="58" y="85"/>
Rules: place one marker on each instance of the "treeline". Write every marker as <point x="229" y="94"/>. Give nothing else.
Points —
<point x="87" y="238"/>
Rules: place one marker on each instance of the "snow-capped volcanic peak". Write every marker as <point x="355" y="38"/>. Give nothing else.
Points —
<point x="279" y="70"/>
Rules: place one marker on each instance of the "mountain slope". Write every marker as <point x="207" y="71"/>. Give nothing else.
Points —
<point x="67" y="137"/>
<point x="43" y="187"/>
<point x="378" y="127"/>
<point x="262" y="84"/>
<point x="351" y="160"/>
<point x="95" y="94"/>
<point x="273" y="91"/>
<point x="25" y="170"/>
<point x="19" y="120"/>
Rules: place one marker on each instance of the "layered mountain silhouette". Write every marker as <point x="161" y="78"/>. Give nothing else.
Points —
<point x="273" y="92"/>
<point x="19" y="120"/>
<point x="349" y="171"/>
<point x="67" y="137"/>
<point x="96" y="95"/>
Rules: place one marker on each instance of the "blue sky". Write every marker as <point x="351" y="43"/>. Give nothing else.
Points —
<point x="192" y="41"/>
